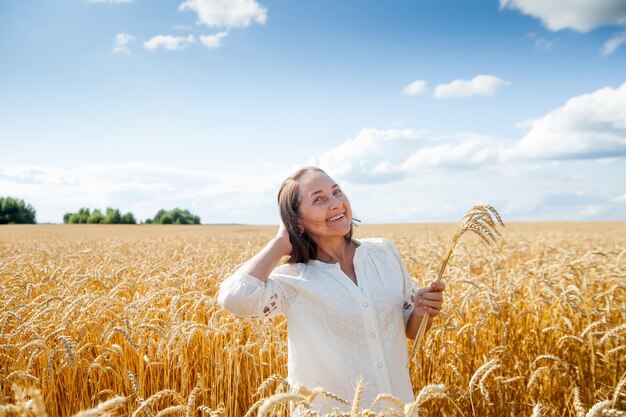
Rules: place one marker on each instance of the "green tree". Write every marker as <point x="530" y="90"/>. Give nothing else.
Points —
<point x="179" y="216"/>
<point x="83" y="215"/>
<point x="96" y="217"/>
<point x="159" y="215"/>
<point x="175" y="216"/>
<point x="15" y="211"/>
<point x="113" y="216"/>
<point x="129" y="218"/>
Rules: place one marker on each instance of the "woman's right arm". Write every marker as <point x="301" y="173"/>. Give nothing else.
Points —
<point x="261" y="265"/>
<point x="249" y="292"/>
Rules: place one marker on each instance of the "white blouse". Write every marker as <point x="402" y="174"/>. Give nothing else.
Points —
<point x="337" y="332"/>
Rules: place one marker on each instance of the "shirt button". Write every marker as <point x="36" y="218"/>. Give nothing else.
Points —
<point x="380" y="365"/>
<point x="365" y="304"/>
<point x="372" y="335"/>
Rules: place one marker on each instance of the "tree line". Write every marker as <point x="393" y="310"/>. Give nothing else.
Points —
<point x="110" y="216"/>
<point x="176" y="216"/>
<point x="114" y="216"/>
<point x="16" y="211"/>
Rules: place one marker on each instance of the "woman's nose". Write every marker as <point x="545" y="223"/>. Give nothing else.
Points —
<point x="335" y="202"/>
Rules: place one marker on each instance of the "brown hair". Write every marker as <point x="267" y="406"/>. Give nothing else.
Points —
<point x="303" y="248"/>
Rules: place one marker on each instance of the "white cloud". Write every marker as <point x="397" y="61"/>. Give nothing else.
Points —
<point x="379" y="156"/>
<point x="579" y="15"/>
<point x="415" y="88"/>
<point x="591" y="211"/>
<point x="612" y="44"/>
<point x="540" y="43"/>
<point x="466" y="154"/>
<point x="389" y="175"/>
<point x="169" y="42"/>
<point x="480" y="85"/>
<point x="213" y="41"/>
<point x="122" y="40"/>
<point x="221" y="194"/>
<point x="587" y="126"/>
<point x="606" y="161"/>
<point x="227" y="13"/>
<point x="526" y="124"/>
<point x="370" y="156"/>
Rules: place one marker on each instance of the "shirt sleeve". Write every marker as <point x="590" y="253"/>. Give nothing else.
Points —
<point x="247" y="296"/>
<point x="408" y="288"/>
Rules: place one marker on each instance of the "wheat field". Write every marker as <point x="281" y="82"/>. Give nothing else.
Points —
<point x="122" y="320"/>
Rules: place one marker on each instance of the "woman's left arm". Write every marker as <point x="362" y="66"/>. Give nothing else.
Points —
<point x="427" y="303"/>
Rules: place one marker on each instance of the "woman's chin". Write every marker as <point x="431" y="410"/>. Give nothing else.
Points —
<point x="341" y="229"/>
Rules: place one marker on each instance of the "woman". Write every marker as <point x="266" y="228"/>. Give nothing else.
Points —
<point x="349" y="303"/>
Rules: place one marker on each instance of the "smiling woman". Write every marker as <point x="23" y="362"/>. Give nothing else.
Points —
<point x="310" y="197"/>
<point x="349" y="304"/>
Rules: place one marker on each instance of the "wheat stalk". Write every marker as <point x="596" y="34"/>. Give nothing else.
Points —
<point x="389" y="398"/>
<point x="103" y="408"/>
<point x="191" y="400"/>
<point x="311" y="395"/>
<point x="152" y="399"/>
<point x="477" y="220"/>
<point x="234" y="356"/>
<point x="578" y="405"/>
<point x="598" y="407"/>
<point x="621" y="384"/>
<point x="276" y="399"/>
<point x="356" y="401"/>
<point x="425" y="394"/>
<point x="536" y="410"/>
<point x="172" y="410"/>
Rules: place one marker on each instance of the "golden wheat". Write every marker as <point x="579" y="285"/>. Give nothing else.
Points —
<point x="123" y="321"/>
<point x="477" y="220"/>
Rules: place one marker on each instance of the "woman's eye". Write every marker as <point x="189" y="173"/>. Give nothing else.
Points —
<point x="338" y="192"/>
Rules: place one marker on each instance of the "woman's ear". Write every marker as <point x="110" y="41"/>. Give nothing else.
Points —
<point x="300" y="228"/>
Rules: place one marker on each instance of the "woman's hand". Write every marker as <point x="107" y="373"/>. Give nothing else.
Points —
<point x="430" y="299"/>
<point x="282" y="239"/>
<point x="261" y="265"/>
<point x="427" y="305"/>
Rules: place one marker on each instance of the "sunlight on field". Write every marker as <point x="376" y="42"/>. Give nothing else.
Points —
<point x="127" y="316"/>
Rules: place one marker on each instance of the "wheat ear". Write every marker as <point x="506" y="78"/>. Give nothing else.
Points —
<point x="477" y="220"/>
<point x="356" y="402"/>
<point x="276" y="399"/>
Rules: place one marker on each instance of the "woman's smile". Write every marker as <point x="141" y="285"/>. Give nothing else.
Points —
<point x="336" y="218"/>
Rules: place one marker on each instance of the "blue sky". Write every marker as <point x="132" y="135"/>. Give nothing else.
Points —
<point x="418" y="109"/>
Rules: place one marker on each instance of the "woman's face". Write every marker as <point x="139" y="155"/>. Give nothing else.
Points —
<point x="324" y="210"/>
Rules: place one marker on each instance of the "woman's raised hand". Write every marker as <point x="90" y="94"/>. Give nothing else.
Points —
<point x="282" y="239"/>
<point x="261" y="265"/>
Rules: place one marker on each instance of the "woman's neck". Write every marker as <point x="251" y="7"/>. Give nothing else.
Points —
<point x="336" y="250"/>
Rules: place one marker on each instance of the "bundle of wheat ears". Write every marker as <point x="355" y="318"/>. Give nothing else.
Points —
<point x="478" y="220"/>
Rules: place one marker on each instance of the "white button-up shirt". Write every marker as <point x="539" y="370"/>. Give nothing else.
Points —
<point x="337" y="332"/>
